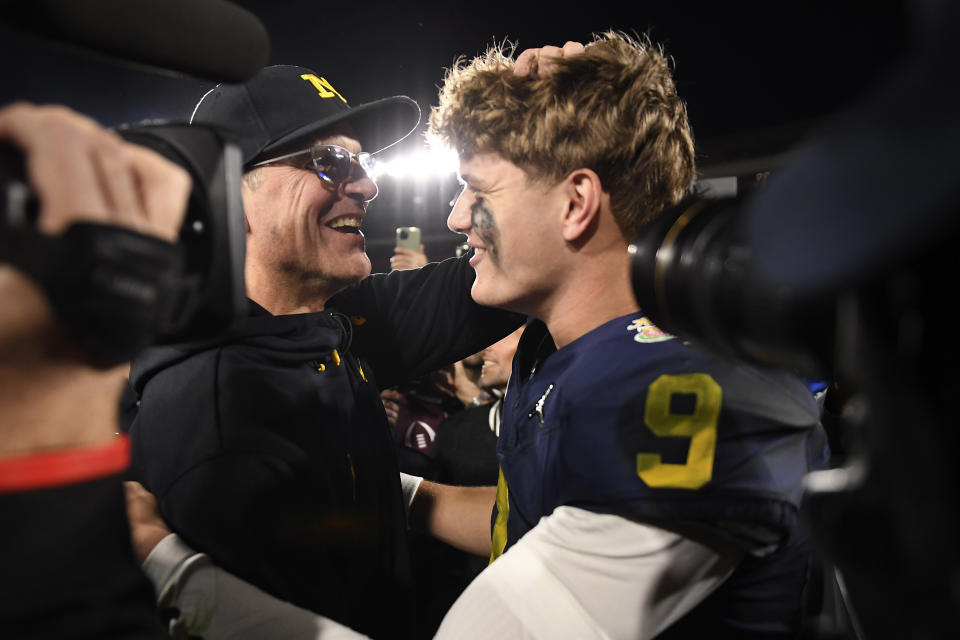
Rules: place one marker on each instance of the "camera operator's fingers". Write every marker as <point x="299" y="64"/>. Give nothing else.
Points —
<point x="162" y="189"/>
<point x="57" y="145"/>
<point x="81" y="171"/>
<point x="142" y="189"/>
<point x="147" y="527"/>
<point x="118" y="182"/>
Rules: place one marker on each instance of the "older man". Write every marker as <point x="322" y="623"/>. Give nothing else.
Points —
<point x="269" y="448"/>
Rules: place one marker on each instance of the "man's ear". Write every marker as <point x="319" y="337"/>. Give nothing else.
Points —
<point x="584" y="193"/>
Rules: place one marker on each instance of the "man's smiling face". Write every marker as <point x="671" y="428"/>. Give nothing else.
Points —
<point x="304" y="231"/>
<point x="511" y="223"/>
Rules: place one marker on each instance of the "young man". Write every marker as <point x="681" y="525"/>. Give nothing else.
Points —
<point x="646" y="487"/>
<point x="269" y="448"/>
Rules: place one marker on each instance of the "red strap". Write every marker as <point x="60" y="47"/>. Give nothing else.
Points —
<point x="70" y="466"/>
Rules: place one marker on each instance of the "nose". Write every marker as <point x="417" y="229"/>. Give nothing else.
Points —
<point x="459" y="219"/>
<point x="360" y="187"/>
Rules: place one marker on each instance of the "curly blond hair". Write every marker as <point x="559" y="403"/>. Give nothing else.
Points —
<point x="613" y="109"/>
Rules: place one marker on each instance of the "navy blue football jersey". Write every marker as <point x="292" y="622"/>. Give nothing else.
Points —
<point x="630" y="421"/>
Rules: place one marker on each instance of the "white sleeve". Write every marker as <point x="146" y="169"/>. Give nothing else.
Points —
<point x="409" y="485"/>
<point x="217" y="605"/>
<point x="580" y="574"/>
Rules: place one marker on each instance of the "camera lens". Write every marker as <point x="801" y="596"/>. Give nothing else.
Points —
<point x="404" y="235"/>
<point x="695" y="277"/>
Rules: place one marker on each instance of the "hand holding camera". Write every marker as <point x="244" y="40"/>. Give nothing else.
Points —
<point x="83" y="173"/>
<point x="129" y="248"/>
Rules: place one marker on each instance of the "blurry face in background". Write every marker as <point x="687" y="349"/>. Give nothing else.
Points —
<point x="461" y="379"/>
<point x="498" y="361"/>
<point x="472" y="365"/>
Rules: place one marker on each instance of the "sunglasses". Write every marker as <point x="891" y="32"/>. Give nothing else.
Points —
<point x="332" y="164"/>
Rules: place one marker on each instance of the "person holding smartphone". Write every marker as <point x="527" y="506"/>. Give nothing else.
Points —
<point x="408" y="252"/>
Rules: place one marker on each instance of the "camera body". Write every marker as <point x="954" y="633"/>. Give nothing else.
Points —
<point x="885" y="518"/>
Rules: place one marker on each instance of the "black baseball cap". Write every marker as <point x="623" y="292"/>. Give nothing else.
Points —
<point x="284" y="104"/>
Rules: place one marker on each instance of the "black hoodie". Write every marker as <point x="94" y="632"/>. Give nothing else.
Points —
<point x="269" y="449"/>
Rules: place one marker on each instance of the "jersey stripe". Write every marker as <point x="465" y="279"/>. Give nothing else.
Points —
<point x="499" y="539"/>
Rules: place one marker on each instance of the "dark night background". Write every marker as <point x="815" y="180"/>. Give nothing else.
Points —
<point x="755" y="76"/>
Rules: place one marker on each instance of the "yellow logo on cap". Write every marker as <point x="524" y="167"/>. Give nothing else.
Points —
<point x="325" y="89"/>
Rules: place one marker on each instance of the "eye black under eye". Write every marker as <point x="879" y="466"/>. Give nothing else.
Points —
<point x="479" y="206"/>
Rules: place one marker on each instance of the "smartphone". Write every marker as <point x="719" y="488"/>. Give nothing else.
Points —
<point x="408" y="238"/>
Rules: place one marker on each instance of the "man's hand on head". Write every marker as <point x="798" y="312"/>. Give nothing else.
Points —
<point x="544" y="59"/>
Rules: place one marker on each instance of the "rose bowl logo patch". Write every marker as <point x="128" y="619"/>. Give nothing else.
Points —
<point x="647" y="331"/>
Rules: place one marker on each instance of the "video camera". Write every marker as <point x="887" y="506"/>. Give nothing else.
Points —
<point x="886" y="519"/>
<point x="115" y="290"/>
<point x="118" y="291"/>
<point x="693" y="272"/>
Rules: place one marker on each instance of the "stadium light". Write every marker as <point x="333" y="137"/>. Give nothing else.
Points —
<point x="419" y="166"/>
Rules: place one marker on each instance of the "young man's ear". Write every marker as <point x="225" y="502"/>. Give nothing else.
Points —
<point x="585" y="193"/>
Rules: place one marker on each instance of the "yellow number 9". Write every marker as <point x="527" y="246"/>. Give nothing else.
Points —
<point x="700" y="426"/>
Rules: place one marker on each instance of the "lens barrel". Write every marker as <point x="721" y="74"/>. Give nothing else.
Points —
<point x="695" y="277"/>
